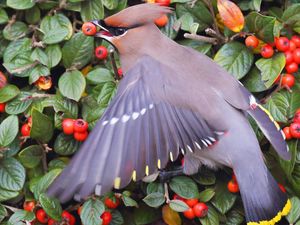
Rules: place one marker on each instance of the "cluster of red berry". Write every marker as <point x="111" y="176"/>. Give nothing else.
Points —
<point x="293" y="131"/>
<point x="291" y="49"/>
<point x="196" y="208"/>
<point x="26" y="127"/>
<point x="79" y="128"/>
<point x="42" y="217"/>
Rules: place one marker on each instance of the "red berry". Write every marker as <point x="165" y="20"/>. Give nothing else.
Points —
<point x="292" y="67"/>
<point x="297" y="117"/>
<point x="163" y="2"/>
<point x="287" y="133"/>
<point x="3" y="80"/>
<point x="233" y="186"/>
<point x="162" y="21"/>
<point x="282" y="188"/>
<point x="296" y="56"/>
<point x="288" y="57"/>
<point x="191" y="202"/>
<point x="41" y="216"/>
<point x="295" y="130"/>
<point x="189" y="214"/>
<point x="68" y="217"/>
<point x="89" y="29"/>
<point x="297" y="111"/>
<point x="29" y="206"/>
<point x="251" y="42"/>
<point x="79" y="210"/>
<point x="106" y="218"/>
<point x="101" y="52"/>
<point x="2" y="107"/>
<point x="68" y="126"/>
<point x="282" y="44"/>
<point x="288" y="80"/>
<point x="29" y="121"/>
<point x="81" y="136"/>
<point x="112" y="203"/>
<point x="267" y="51"/>
<point x="51" y="221"/>
<point x="200" y="209"/>
<point x="293" y="46"/>
<point x="25" y="130"/>
<point x="80" y="125"/>
<point x="120" y="72"/>
<point x="177" y="197"/>
<point x="296" y="40"/>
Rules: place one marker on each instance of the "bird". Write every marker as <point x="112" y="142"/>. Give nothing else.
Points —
<point x="174" y="100"/>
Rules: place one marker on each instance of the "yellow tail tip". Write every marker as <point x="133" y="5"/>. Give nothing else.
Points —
<point x="286" y="209"/>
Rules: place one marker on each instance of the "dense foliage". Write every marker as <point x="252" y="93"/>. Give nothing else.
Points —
<point x="50" y="73"/>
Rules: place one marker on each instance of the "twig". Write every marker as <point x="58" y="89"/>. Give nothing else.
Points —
<point x="213" y="33"/>
<point x="211" y="9"/>
<point x="240" y="34"/>
<point x="113" y="63"/>
<point x="167" y="196"/>
<point x="37" y="96"/>
<point x="197" y="37"/>
<point x="22" y="69"/>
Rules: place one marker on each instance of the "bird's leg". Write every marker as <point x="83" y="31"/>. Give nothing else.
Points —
<point x="165" y="176"/>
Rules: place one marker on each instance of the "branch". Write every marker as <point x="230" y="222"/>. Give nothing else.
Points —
<point x="211" y="9"/>
<point x="167" y="196"/>
<point x="213" y="33"/>
<point x="197" y="37"/>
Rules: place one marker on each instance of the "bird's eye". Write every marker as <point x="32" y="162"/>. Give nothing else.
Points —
<point x="119" y="31"/>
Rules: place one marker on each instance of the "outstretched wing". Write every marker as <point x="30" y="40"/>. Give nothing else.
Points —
<point x="137" y="135"/>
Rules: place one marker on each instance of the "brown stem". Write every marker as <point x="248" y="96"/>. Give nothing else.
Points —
<point x="211" y="9"/>
<point x="167" y="196"/>
<point x="22" y="69"/>
<point x="238" y="35"/>
<point x="197" y="37"/>
<point x="213" y="33"/>
<point x="113" y="64"/>
<point x="37" y="96"/>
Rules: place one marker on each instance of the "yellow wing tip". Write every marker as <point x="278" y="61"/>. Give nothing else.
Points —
<point x="285" y="211"/>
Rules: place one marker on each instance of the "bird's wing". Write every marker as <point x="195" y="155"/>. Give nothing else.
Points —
<point x="137" y="135"/>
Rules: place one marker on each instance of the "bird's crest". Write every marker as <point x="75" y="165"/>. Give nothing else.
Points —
<point x="137" y="15"/>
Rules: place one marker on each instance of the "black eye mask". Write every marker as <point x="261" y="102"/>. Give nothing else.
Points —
<point x="115" y="31"/>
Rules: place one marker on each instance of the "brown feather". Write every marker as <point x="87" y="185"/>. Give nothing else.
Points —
<point x="137" y="15"/>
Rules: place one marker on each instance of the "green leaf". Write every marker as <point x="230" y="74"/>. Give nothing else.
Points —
<point x="106" y="93"/>
<point x="40" y="56"/>
<point x="100" y="75"/>
<point x="292" y="14"/>
<point x="294" y="214"/>
<point x="16" y="48"/>
<point x="155" y="187"/>
<point x="223" y="199"/>
<point x="54" y="55"/>
<point x="110" y="4"/>
<point x="145" y="215"/>
<point x="8" y="92"/>
<point x="12" y="174"/>
<point x="129" y="202"/>
<point x="257" y="4"/>
<point x="7" y="194"/>
<point x="33" y="15"/>
<point x="278" y="106"/>
<point x="92" y="9"/>
<point x="117" y="218"/>
<point x="212" y="217"/>
<point x="154" y="199"/>
<point x="78" y="51"/>
<point x="206" y="195"/>
<point x="199" y="13"/>
<point x="31" y="156"/>
<point x="205" y="177"/>
<point x="20" y="65"/>
<point x="15" y="31"/>
<point x="19" y="104"/>
<point x="20" y="216"/>
<point x="56" y="28"/>
<point x="37" y="72"/>
<point x="9" y="129"/>
<point x="169" y="29"/>
<point x="72" y="85"/>
<point x="197" y="45"/>
<point x="51" y="206"/>
<point x="271" y="68"/>
<point x="234" y="217"/>
<point x="3" y="212"/>
<point x="13" y="148"/>
<point x="65" y="145"/>
<point x="236" y="58"/>
<point x="3" y="16"/>
<point x="91" y="212"/>
<point x="63" y="105"/>
<point x="253" y="81"/>
<point x="42" y="127"/>
<point x="20" y="4"/>
<point x="185" y="187"/>
<point x="178" y="205"/>
<point x="44" y="182"/>
<point x="265" y="28"/>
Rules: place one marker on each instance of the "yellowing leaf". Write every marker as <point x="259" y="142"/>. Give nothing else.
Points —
<point x="170" y="217"/>
<point x="231" y="15"/>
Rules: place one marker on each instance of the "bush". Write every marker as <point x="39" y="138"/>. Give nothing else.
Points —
<point x="50" y="73"/>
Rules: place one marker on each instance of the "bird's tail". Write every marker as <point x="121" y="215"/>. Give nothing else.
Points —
<point x="271" y="130"/>
<point x="264" y="201"/>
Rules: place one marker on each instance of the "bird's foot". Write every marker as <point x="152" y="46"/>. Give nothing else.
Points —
<point x="165" y="176"/>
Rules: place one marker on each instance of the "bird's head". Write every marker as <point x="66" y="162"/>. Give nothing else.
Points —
<point x="130" y="26"/>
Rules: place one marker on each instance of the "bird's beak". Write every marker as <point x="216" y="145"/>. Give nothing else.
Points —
<point x="103" y="32"/>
